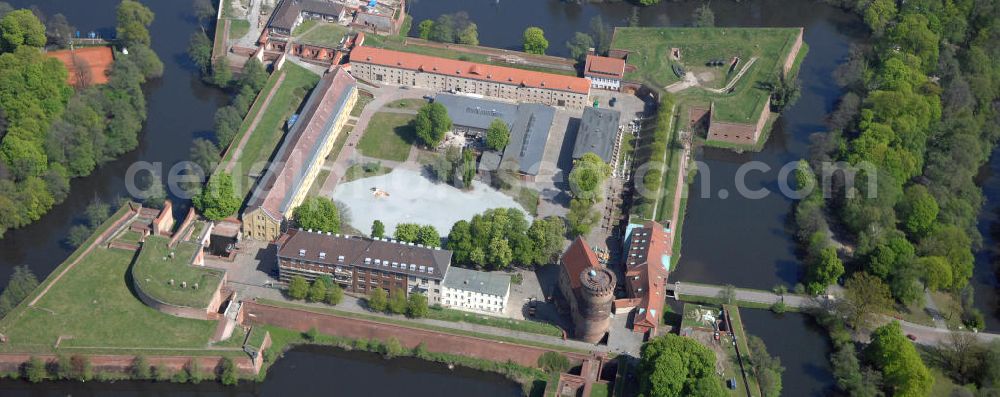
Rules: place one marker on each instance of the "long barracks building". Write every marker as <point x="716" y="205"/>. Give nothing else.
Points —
<point x="381" y="66"/>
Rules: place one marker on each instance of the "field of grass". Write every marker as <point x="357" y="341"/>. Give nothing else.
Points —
<point x="324" y="34"/>
<point x="238" y="28"/>
<point x="304" y="27"/>
<point x="389" y="136"/>
<point x="409" y="103"/>
<point x="364" y="98"/>
<point x="599" y="390"/>
<point x="361" y="171"/>
<point x="650" y="54"/>
<point x="92" y="306"/>
<point x="157" y="265"/>
<point x="265" y="137"/>
<point x="402" y="321"/>
<point x="459" y="316"/>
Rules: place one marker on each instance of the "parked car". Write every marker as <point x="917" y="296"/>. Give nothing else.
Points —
<point x="911" y="337"/>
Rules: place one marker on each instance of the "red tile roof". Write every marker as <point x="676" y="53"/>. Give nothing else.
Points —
<point x="469" y="70"/>
<point x="578" y="257"/>
<point x="97" y="60"/>
<point x="300" y="148"/>
<point x="646" y="273"/>
<point x="604" y="67"/>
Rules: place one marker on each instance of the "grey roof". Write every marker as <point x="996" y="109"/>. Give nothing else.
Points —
<point x="476" y="112"/>
<point x="385" y="255"/>
<point x="489" y="283"/>
<point x="289" y="10"/>
<point x="527" y="138"/>
<point x="381" y="22"/>
<point x="489" y="161"/>
<point x="597" y="133"/>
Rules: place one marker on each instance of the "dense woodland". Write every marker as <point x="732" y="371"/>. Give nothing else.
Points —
<point x="920" y="117"/>
<point x="52" y="132"/>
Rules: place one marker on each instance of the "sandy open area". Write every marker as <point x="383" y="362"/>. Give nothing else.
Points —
<point x="412" y="198"/>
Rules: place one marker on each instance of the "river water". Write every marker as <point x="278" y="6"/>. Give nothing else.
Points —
<point x="732" y="240"/>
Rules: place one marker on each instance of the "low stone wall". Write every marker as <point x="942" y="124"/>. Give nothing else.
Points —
<point x="204" y="313"/>
<point x="13" y="362"/>
<point x="794" y="53"/>
<point x="301" y="320"/>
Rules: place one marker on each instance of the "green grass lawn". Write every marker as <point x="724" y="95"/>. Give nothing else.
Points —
<point x="599" y="390"/>
<point x="92" y="306"/>
<point x="238" y="28"/>
<point x="324" y="34"/>
<point x="409" y="103"/>
<point x="304" y="26"/>
<point x="458" y="316"/>
<point x="361" y="171"/>
<point x="650" y="53"/>
<point x="389" y="136"/>
<point x="364" y="98"/>
<point x="157" y="265"/>
<point x="265" y="137"/>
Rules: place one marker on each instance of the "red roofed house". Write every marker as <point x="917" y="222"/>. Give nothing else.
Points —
<point x="381" y="66"/>
<point x="87" y="65"/>
<point x="589" y="287"/>
<point x="300" y="156"/>
<point x="604" y="73"/>
<point x="647" y="266"/>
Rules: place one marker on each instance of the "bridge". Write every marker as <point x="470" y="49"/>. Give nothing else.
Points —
<point x="88" y="42"/>
<point x="925" y="335"/>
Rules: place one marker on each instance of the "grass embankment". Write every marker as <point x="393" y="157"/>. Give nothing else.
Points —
<point x="268" y="133"/>
<point x="459" y="316"/>
<point x="744" y="351"/>
<point x="323" y="34"/>
<point x="238" y="28"/>
<point x="167" y="274"/>
<point x="405" y="322"/>
<point x="283" y="339"/>
<point x="389" y="136"/>
<point x="92" y="307"/>
<point x="650" y="53"/>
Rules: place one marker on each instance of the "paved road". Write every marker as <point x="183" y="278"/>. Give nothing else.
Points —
<point x="925" y="335"/>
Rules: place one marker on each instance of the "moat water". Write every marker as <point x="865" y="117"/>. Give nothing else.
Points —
<point x="757" y="248"/>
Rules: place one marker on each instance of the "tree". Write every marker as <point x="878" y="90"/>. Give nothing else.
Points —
<point x="80" y="367"/>
<point x="917" y="211"/>
<point x="205" y="154"/>
<point x="227" y="124"/>
<point x="902" y="369"/>
<point x="581" y="217"/>
<point x="397" y="302"/>
<point x="59" y="31"/>
<point x="200" y="52"/>
<point x="703" y="17"/>
<point x="334" y="294"/>
<point x="728" y="294"/>
<point x="865" y="298"/>
<point x="407" y="232"/>
<point x="428" y="236"/>
<point x="416" y="307"/>
<point x="547" y="236"/>
<point x="218" y="199"/>
<point x="378" y="229"/>
<point x="21" y="28"/>
<point x="823" y="271"/>
<point x="588" y="176"/>
<point x="633" y="19"/>
<point x="879" y="13"/>
<point x="221" y="74"/>
<point x="767" y="367"/>
<point x="317" y="292"/>
<point x="298" y="287"/>
<point x="378" y="300"/>
<point x="431" y="123"/>
<point x="961" y="355"/>
<point x="392" y="348"/>
<point x="140" y="367"/>
<point x="579" y="44"/>
<point x="133" y="23"/>
<point x="22" y="282"/>
<point x="672" y="365"/>
<point x="254" y="75"/>
<point x="601" y="33"/>
<point x="534" y="41"/>
<point x="645" y="3"/>
<point x="443" y="30"/>
<point x="228" y="376"/>
<point x="469" y="35"/>
<point x="935" y="271"/>
<point x="425" y="28"/>
<point x="34" y="369"/>
<point x="498" y="135"/>
<point x="203" y="11"/>
<point x="318" y="214"/>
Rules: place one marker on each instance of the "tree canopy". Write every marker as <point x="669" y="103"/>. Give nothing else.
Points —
<point x="673" y="366"/>
<point x="902" y="369"/>
<point x="431" y="123"/>
<point x="21" y="28"/>
<point x="498" y="135"/>
<point x="318" y="214"/>
<point x="535" y="41"/>
<point x="500" y="237"/>
<point x="218" y="199"/>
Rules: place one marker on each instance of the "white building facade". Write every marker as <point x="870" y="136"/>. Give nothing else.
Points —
<point x="475" y="291"/>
